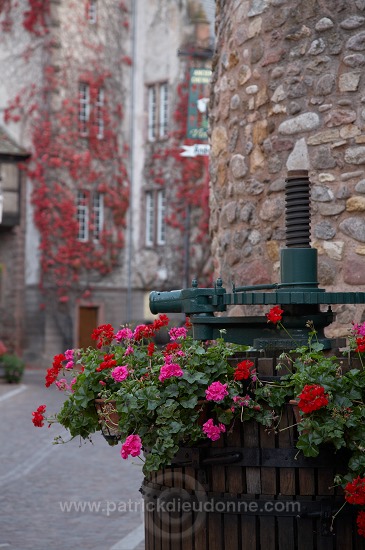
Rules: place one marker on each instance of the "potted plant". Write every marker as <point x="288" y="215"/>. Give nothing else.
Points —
<point x="160" y="393"/>
<point x="11" y="366"/>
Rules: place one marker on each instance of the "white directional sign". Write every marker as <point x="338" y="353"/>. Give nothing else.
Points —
<point x="198" y="149"/>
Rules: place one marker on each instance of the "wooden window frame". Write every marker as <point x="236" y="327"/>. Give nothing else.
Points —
<point x="157" y="111"/>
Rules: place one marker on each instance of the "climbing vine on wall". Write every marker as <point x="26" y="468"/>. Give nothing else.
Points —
<point x="187" y="185"/>
<point x="34" y="17"/>
<point x="65" y="161"/>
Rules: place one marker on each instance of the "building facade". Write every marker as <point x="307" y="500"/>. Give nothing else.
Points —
<point x="98" y="93"/>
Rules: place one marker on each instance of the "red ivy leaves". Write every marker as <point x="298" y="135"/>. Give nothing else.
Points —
<point x="191" y="177"/>
<point x="35" y="18"/>
<point x="56" y="168"/>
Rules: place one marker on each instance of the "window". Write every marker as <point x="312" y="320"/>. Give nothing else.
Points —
<point x="9" y="194"/>
<point x="98" y="215"/>
<point x="90" y="203"/>
<point x="91" y="110"/>
<point x="161" y="214"/>
<point x="151" y="114"/>
<point x="157" y="111"/>
<point x="155" y="218"/>
<point x="100" y="113"/>
<point x="92" y="12"/>
<point x="84" y="107"/>
<point x="83" y="216"/>
<point x="163" y="111"/>
<point x="150" y="219"/>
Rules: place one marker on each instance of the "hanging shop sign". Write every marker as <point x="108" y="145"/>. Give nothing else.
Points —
<point x="197" y="127"/>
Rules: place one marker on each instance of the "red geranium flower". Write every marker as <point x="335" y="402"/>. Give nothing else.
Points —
<point x="171" y="347"/>
<point x="360" y="344"/>
<point x="275" y="315"/>
<point x="57" y="366"/>
<point x="360" y="520"/>
<point x="104" y="335"/>
<point x="143" y="331"/>
<point x="162" y="321"/>
<point x="242" y="371"/>
<point x="188" y="323"/>
<point x="108" y="363"/>
<point x="355" y="491"/>
<point x="38" y="416"/>
<point x="312" y="398"/>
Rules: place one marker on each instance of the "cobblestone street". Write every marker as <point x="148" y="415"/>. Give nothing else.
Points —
<point x="62" y="497"/>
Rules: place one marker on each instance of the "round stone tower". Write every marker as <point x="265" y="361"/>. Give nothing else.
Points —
<point x="288" y="93"/>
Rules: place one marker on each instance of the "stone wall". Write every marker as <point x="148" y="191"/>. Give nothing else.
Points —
<point x="289" y="92"/>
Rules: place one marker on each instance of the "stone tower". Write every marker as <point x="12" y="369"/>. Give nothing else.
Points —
<point x="288" y="93"/>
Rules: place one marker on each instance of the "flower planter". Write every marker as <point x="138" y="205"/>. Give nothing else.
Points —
<point x="108" y="419"/>
<point x="253" y="455"/>
<point x="251" y="489"/>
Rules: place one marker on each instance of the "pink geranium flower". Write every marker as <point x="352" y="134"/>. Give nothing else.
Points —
<point x="177" y="332"/>
<point x="62" y="384"/>
<point x="212" y="431"/>
<point x="69" y="354"/>
<point x="216" y="391"/>
<point x="124" y="334"/>
<point x="359" y="329"/>
<point x="132" y="446"/>
<point x="120" y="373"/>
<point x="168" y="370"/>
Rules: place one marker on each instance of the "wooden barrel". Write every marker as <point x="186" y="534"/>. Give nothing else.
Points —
<point x="250" y="490"/>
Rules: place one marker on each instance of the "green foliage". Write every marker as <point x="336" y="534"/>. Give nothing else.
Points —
<point x="13" y="367"/>
<point x="173" y="409"/>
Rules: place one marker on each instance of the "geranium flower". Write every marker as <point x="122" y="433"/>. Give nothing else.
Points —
<point x="108" y="363"/>
<point x="360" y="344"/>
<point x="275" y="315"/>
<point x="177" y="332"/>
<point x="161" y="321"/>
<point x="62" y="384"/>
<point x="38" y="416"/>
<point x="312" y="398"/>
<point x="53" y="372"/>
<point x="132" y="446"/>
<point x="242" y="401"/>
<point x="168" y="370"/>
<point x="213" y="431"/>
<point x="359" y="329"/>
<point x="242" y="371"/>
<point x="360" y="521"/>
<point x="103" y="335"/>
<point x="124" y="334"/>
<point x="120" y="373"/>
<point x="216" y="391"/>
<point x="355" y="491"/>
<point x="143" y="331"/>
<point x="69" y="354"/>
